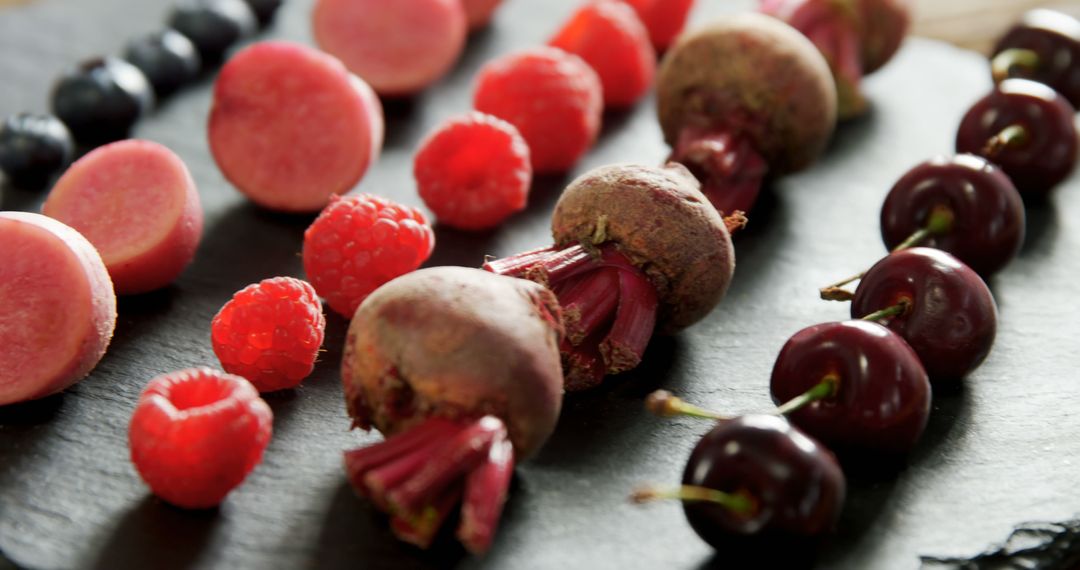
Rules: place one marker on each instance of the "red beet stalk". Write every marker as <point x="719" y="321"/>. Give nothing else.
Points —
<point x="609" y="307"/>
<point x="419" y="475"/>
<point x="728" y="166"/>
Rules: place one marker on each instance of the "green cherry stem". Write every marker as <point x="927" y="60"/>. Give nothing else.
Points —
<point x="1003" y="64"/>
<point x="665" y="404"/>
<point x="896" y="310"/>
<point x="739" y="503"/>
<point x="939" y="222"/>
<point x="1010" y="137"/>
<point x="825" y="389"/>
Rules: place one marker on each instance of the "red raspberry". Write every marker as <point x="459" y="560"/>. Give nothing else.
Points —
<point x="554" y="98"/>
<point x="610" y="38"/>
<point x="360" y="242"/>
<point x="196" y="434"/>
<point x="664" y="19"/>
<point x="473" y="171"/>
<point x="270" y="333"/>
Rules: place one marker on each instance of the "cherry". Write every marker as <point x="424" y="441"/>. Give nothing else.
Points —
<point x="936" y="303"/>
<point x="1027" y="129"/>
<point x="757" y="488"/>
<point x="1043" y="46"/>
<point x="986" y="225"/>
<point x="853" y="385"/>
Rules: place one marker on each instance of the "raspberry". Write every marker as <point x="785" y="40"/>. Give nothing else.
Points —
<point x="610" y="38"/>
<point x="360" y="242"/>
<point x="270" y="333"/>
<point x="473" y="171"/>
<point x="664" y="19"/>
<point x="196" y="434"/>
<point x="553" y="97"/>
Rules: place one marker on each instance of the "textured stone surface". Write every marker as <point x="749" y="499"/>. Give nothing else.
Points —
<point x="1000" y="452"/>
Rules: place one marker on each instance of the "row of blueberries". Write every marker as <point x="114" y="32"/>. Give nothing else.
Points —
<point x="102" y="98"/>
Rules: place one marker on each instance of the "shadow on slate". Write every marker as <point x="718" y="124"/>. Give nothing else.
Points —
<point x="156" y="535"/>
<point x="350" y="517"/>
<point x="612" y="414"/>
<point x="1042" y="227"/>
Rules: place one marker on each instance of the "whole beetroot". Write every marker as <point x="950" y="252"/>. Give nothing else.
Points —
<point x="636" y="248"/>
<point x="743" y="97"/>
<point x="856" y="37"/>
<point x="459" y="368"/>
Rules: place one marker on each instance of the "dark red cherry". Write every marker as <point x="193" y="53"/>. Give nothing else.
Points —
<point x="1041" y="153"/>
<point x="951" y="317"/>
<point x="880" y="394"/>
<point x="987" y="227"/>
<point x="795" y="487"/>
<point x="1053" y="38"/>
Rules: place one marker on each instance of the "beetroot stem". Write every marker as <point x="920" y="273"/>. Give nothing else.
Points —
<point x="485" y="494"/>
<point x="730" y="169"/>
<point x="446" y="464"/>
<point x="635" y="319"/>
<point x="421" y="530"/>
<point x="361" y="460"/>
<point x="588" y="303"/>
<point x="517" y="265"/>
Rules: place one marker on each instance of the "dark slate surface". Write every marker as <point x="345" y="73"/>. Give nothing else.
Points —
<point x="999" y="452"/>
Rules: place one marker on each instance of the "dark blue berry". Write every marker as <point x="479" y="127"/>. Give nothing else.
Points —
<point x="101" y="99"/>
<point x="33" y="148"/>
<point x="168" y="59"/>
<point x="213" y="25"/>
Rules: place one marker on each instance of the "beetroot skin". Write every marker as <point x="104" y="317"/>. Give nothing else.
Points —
<point x="743" y="97"/>
<point x="856" y="37"/>
<point x="460" y="369"/>
<point x="457" y="343"/>
<point x="658" y="219"/>
<point x="636" y="248"/>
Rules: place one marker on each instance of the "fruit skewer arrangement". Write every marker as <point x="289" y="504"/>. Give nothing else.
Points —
<point x="937" y="322"/>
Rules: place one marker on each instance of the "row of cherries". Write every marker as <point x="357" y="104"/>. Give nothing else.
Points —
<point x="102" y="98"/>
<point x="757" y="484"/>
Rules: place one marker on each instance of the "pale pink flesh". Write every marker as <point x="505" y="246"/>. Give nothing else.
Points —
<point x="136" y="203"/>
<point x="290" y="126"/>
<point x="59" y="309"/>
<point x="398" y="47"/>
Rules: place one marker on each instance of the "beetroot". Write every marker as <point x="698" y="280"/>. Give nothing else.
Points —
<point x="636" y="248"/>
<point x="743" y="97"/>
<point x="460" y="369"/>
<point x="856" y="37"/>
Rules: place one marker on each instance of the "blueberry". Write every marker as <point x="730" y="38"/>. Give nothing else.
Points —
<point x="168" y="59"/>
<point x="264" y="10"/>
<point x="33" y="148"/>
<point x="213" y="25"/>
<point x="101" y="99"/>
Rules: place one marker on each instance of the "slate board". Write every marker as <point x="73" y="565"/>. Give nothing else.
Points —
<point x="999" y="452"/>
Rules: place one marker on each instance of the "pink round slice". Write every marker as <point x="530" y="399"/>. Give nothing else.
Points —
<point x="290" y="126"/>
<point x="136" y="202"/>
<point x="400" y="46"/>
<point x="57" y="307"/>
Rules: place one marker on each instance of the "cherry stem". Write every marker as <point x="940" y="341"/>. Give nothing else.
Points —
<point x="1003" y="64"/>
<point x="739" y="503"/>
<point x="820" y="391"/>
<point x="666" y="405"/>
<point x="1011" y="136"/>
<point x="939" y="222"/>
<point x="896" y="310"/>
